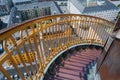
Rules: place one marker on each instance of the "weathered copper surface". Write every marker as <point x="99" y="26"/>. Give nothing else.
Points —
<point x="110" y="69"/>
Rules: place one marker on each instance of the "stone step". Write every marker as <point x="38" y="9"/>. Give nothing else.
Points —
<point x="87" y="54"/>
<point x="79" y="60"/>
<point x="61" y="78"/>
<point x="74" y="63"/>
<point x="71" y="67"/>
<point x="68" y="76"/>
<point x="68" y="71"/>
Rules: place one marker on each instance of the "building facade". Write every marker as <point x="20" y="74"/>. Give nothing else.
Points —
<point x="3" y="9"/>
<point x="5" y="6"/>
<point x="20" y="13"/>
<point x="36" y="12"/>
<point x="33" y="10"/>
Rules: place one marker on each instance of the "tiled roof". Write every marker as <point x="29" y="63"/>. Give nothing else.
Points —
<point x="78" y="4"/>
<point x="106" y="6"/>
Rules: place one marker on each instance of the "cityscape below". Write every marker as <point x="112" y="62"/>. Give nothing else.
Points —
<point x="16" y="12"/>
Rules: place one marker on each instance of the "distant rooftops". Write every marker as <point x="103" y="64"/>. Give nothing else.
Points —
<point x="102" y="5"/>
<point x="19" y="2"/>
<point x="106" y="6"/>
<point x="2" y="2"/>
<point x="16" y="1"/>
<point x="34" y="5"/>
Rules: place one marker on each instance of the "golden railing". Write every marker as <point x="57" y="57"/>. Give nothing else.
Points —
<point x="34" y="43"/>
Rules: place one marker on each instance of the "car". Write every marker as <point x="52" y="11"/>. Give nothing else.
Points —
<point x="25" y="75"/>
<point x="16" y="77"/>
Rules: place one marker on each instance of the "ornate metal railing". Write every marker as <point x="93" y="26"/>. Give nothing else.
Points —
<point x="30" y="46"/>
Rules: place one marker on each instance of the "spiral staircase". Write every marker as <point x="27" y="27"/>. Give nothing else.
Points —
<point x="74" y="64"/>
<point x="58" y="47"/>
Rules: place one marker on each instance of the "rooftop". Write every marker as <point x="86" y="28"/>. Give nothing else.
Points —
<point x="101" y="6"/>
<point x="5" y="18"/>
<point x="16" y="1"/>
<point x="38" y="5"/>
<point x="106" y="6"/>
<point x="78" y="4"/>
<point x="19" y="2"/>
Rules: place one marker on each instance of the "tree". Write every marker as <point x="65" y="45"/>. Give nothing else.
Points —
<point x="119" y="5"/>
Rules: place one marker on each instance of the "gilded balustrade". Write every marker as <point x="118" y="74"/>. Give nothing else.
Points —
<point x="34" y="43"/>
